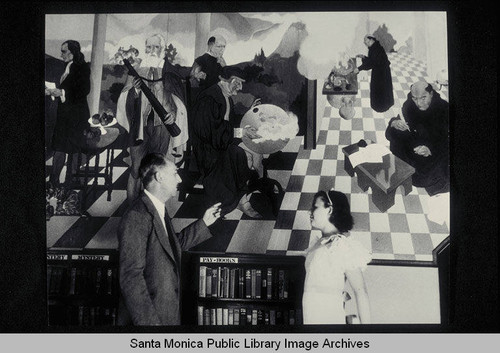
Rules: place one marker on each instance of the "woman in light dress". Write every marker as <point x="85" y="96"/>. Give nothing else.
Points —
<point x="332" y="260"/>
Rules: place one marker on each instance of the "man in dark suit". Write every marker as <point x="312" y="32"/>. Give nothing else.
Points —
<point x="207" y="67"/>
<point x="150" y="251"/>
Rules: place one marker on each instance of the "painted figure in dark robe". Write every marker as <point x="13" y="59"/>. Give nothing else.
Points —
<point x="216" y="134"/>
<point x="381" y="95"/>
<point x="421" y="139"/>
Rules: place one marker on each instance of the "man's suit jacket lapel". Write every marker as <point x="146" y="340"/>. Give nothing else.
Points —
<point x="160" y="229"/>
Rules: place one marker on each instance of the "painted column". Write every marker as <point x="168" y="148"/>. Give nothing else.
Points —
<point x="96" y="62"/>
<point x="202" y="32"/>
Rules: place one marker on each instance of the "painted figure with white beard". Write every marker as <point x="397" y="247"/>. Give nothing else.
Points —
<point x="147" y="132"/>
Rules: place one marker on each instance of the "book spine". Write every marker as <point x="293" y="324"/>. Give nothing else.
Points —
<point x="213" y="317"/>
<point x="254" y="317"/>
<point x="248" y="284"/>
<point x="236" y="315"/>
<point x="230" y="316"/>
<point x="279" y="317"/>
<point x="201" y="311"/>
<point x="202" y="282"/>
<point x="232" y="283"/>
<point x="214" y="283"/>
<point x="49" y="275"/>
<point x="260" y="317"/>
<point x="225" y="316"/>
<point x="98" y="279"/>
<point x="298" y="316"/>
<point x="206" y="317"/>
<point x="109" y="278"/>
<point x="243" y="316"/>
<point x="226" y="282"/>
<point x="220" y="289"/>
<point x="241" y="283"/>
<point x="281" y="283"/>
<point x="208" y="284"/>
<point x="219" y="316"/>
<point x="254" y="282"/>
<point x="272" y="317"/>
<point x="285" y="284"/>
<point x="258" y="283"/>
<point x="92" y="316"/>
<point x="269" y="283"/>
<point x="72" y="281"/>
<point x="80" y="315"/>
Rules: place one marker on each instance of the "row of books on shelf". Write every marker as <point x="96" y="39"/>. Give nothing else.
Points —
<point x="248" y="316"/>
<point x="82" y="316"/>
<point x="244" y="283"/>
<point x="81" y="280"/>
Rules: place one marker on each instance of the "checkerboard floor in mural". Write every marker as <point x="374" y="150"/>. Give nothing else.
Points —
<point x="403" y="233"/>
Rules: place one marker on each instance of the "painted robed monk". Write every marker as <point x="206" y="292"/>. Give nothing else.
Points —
<point x="421" y="138"/>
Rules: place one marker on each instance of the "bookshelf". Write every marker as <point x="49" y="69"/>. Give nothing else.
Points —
<point x="82" y="287"/>
<point x="242" y="289"/>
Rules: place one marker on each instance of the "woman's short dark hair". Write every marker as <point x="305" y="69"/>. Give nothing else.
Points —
<point x="150" y="165"/>
<point x="341" y="216"/>
<point x="75" y="49"/>
<point x="211" y="40"/>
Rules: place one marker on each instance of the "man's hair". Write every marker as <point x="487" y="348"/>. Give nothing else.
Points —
<point x="150" y="165"/>
<point x="163" y="43"/>
<point x="75" y="49"/>
<point x="211" y="40"/>
<point x="428" y="88"/>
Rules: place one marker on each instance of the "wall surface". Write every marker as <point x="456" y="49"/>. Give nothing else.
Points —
<point x="401" y="295"/>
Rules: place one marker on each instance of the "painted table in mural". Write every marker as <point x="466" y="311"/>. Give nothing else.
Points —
<point x="342" y="80"/>
<point x="93" y="149"/>
<point x="384" y="178"/>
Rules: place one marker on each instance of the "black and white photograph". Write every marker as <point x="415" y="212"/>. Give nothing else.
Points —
<point x="242" y="170"/>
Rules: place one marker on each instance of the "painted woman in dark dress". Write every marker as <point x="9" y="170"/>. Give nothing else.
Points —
<point x="72" y="109"/>
<point x="381" y="95"/>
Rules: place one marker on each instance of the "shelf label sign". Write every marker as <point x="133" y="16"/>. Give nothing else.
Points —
<point x="219" y="260"/>
<point x="57" y="257"/>
<point x="90" y="257"/>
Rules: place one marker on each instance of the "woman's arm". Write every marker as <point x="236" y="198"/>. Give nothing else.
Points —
<point x="357" y="282"/>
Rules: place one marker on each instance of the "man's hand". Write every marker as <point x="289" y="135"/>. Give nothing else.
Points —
<point x="137" y="83"/>
<point x="221" y="61"/>
<point x="170" y="118"/>
<point x="200" y="75"/>
<point x="255" y="103"/>
<point x="400" y="125"/>
<point x="250" y="132"/>
<point x="212" y="214"/>
<point x="47" y="92"/>
<point x="422" y="151"/>
<point x="56" y="92"/>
